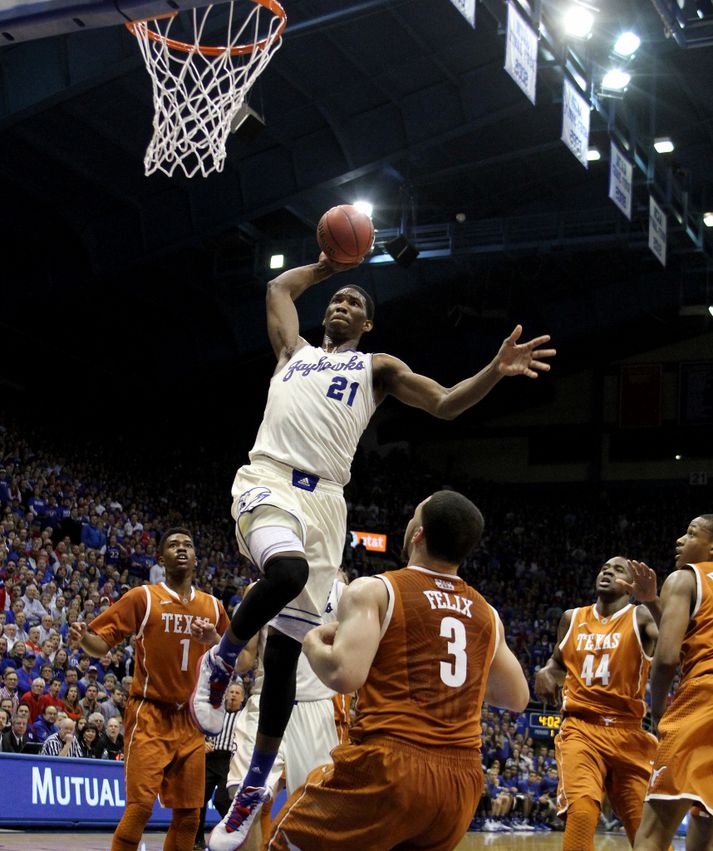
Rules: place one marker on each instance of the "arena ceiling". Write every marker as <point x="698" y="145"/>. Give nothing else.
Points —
<point x="114" y="279"/>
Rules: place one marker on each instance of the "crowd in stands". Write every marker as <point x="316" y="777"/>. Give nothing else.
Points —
<point x="76" y="533"/>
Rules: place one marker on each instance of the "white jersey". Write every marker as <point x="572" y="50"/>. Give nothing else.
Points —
<point x="309" y="685"/>
<point x="318" y="406"/>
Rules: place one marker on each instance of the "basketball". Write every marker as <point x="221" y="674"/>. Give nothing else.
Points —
<point x="345" y="234"/>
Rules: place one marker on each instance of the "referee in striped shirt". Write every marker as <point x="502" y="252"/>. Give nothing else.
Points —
<point x="218" y="751"/>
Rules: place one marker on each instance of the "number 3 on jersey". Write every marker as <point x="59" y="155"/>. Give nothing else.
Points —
<point x="453" y="673"/>
<point x="602" y="673"/>
<point x="338" y="386"/>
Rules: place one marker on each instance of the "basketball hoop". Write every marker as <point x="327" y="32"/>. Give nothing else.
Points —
<point x="198" y="89"/>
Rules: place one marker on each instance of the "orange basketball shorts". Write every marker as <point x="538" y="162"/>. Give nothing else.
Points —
<point x="593" y="759"/>
<point x="163" y="755"/>
<point x="684" y="760"/>
<point x="381" y="794"/>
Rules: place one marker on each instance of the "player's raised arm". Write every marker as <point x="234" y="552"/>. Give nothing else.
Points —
<point x="283" y="327"/>
<point x="394" y="377"/>
<point x="507" y="686"/>
<point x="341" y="652"/>
<point x="551" y="676"/>
<point x="677" y="596"/>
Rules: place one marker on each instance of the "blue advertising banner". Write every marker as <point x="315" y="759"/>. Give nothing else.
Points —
<point x="57" y="792"/>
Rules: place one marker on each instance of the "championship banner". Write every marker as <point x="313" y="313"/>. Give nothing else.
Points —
<point x="521" y="52"/>
<point x="575" y="122"/>
<point x="657" y="231"/>
<point x="620" y="180"/>
<point x="59" y="791"/>
<point x="467" y="9"/>
<point x="373" y="541"/>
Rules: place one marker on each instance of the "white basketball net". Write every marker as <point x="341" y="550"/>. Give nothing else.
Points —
<point x="196" y="96"/>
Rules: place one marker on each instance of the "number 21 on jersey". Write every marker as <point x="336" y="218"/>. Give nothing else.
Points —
<point x="602" y="673"/>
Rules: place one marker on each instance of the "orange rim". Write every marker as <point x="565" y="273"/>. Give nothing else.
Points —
<point x="212" y="50"/>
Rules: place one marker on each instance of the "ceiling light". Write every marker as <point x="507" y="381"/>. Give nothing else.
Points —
<point x="708" y="219"/>
<point x="364" y="207"/>
<point x="710" y="309"/>
<point x="663" y="145"/>
<point x="277" y="261"/>
<point x="615" y="80"/>
<point x="593" y="155"/>
<point x="677" y="457"/>
<point x="578" y="22"/>
<point x="627" y="43"/>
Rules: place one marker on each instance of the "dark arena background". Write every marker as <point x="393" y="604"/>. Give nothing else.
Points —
<point x="134" y="355"/>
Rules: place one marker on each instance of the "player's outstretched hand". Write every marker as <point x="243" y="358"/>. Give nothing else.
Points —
<point x="515" y="358"/>
<point x="204" y="631"/>
<point x="643" y="584"/>
<point x="546" y="687"/>
<point x="77" y="631"/>
<point x="333" y="266"/>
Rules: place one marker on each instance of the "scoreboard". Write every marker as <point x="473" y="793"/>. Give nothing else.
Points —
<point x="544" y="725"/>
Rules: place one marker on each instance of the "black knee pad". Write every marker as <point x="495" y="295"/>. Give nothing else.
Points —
<point x="285" y="577"/>
<point x="288" y="573"/>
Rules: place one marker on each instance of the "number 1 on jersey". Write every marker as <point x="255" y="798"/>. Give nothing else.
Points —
<point x="338" y="386"/>
<point x="602" y="673"/>
<point x="186" y="642"/>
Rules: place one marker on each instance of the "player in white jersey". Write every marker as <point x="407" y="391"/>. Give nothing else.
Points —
<point x="310" y="736"/>
<point x="288" y="503"/>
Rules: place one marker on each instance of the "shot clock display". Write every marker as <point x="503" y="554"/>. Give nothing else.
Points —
<point x="544" y="725"/>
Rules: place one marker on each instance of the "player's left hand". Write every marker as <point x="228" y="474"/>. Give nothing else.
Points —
<point x="204" y="631"/>
<point x="643" y="584"/>
<point x="515" y="358"/>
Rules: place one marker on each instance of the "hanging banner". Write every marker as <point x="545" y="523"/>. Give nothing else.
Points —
<point x="657" y="231"/>
<point x="521" y="52"/>
<point x="620" y="180"/>
<point x="467" y="9"/>
<point x="575" y="121"/>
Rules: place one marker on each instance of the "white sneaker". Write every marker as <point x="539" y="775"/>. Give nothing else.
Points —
<point x="233" y="830"/>
<point x="489" y="826"/>
<point x="213" y="676"/>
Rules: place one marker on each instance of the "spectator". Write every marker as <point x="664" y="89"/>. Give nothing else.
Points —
<point x="33" y="607"/>
<point x="46" y="627"/>
<point x="114" y="742"/>
<point x="11" y="636"/>
<point x="4" y="721"/>
<point x="71" y="703"/>
<point x="46" y="724"/>
<point x="26" y="673"/>
<point x="89" y="702"/>
<point x="51" y="697"/>
<point x="89" y="742"/>
<point x="33" y="698"/>
<point x="16" y="739"/>
<point x="71" y="678"/>
<point x="33" y="640"/>
<point x="60" y="663"/>
<point x="9" y="688"/>
<point x="114" y="706"/>
<point x="63" y="742"/>
<point x="92" y="536"/>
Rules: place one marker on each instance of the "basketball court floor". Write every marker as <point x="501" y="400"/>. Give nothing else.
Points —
<point x="16" y="841"/>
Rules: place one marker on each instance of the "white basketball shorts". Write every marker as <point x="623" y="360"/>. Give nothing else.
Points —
<point x="268" y="493"/>
<point x="310" y="736"/>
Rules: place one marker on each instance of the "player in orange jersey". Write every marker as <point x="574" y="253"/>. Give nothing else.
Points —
<point x="683" y="768"/>
<point x="164" y="751"/>
<point x="424" y="649"/>
<point x="602" y="661"/>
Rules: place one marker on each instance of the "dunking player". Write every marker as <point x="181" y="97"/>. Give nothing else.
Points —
<point x="602" y="660"/>
<point x="683" y="768"/>
<point x="288" y="502"/>
<point x="424" y="649"/>
<point x="164" y="752"/>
